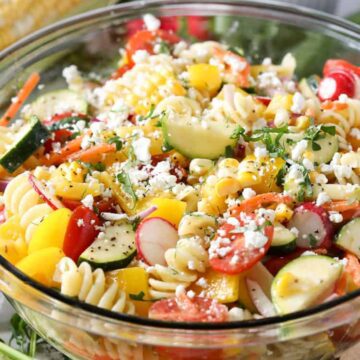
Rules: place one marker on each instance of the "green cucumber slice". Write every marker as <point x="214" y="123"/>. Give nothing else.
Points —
<point x="348" y="237"/>
<point x="194" y="140"/>
<point x="56" y="102"/>
<point x="114" y="250"/>
<point x="283" y="241"/>
<point x="329" y="145"/>
<point x="304" y="282"/>
<point x="28" y="139"/>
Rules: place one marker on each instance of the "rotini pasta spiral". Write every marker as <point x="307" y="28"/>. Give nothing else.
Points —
<point x="343" y="120"/>
<point x="90" y="286"/>
<point x="21" y="199"/>
<point x="184" y="261"/>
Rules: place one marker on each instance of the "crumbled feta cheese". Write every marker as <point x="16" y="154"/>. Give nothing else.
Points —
<point x="140" y="56"/>
<point x="267" y="61"/>
<point x="343" y="98"/>
<point x="248" y="193"/>
<point x="180" y="290"/>
<point x="322" y="198"/>
<point x="190" y="294"/>
<point x="355" y="132"/>
<point x="294" y="231"/>
<point x="260" y="152"/>
<point x="259" y="124"/>
<point x="233" y="221"/>
<point x="268" y="80"/>
<point x="299" y="150"/>
<point x="281" y="118"/>
<point x="298" y="103"/>
<point x="88" y="201"/>
<point x="335" y="217"/>
<point x="267" y="214"/>
<point x="308" y="252"/>
<point x="141" y="148"/>
<point x="308" y="164"/>
<point x="73" y="77"/>
<point x="80" y="222"/>
<point x="56" y="146"/>
<point x="151" y="22"/>
<point x="202" y="282"/>
<point x="321" y="179"/>
<point x="254" y="239"/>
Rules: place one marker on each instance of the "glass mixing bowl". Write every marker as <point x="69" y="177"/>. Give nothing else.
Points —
<point x="91" y="41"/>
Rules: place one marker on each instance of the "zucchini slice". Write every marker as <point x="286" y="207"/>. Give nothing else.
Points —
<point x="348" y="237"/>
<point x="194" y="140"/>
<point x="304" y="282"/>
<point x="56" y="102"/>
<point x="283" y="241"/>
<point x="29" y="138"/>
<point x="114" y="250"/>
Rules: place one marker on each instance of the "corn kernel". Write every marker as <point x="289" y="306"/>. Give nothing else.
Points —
<point x="309" y="155"/>
<point x="228" y="163"/>
<point x="227" y="186"/>
<point x="302" y="122"/>
<point x="283" y="213"/>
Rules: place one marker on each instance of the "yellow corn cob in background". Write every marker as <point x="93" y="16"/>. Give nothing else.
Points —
<point x="18" y="18"/>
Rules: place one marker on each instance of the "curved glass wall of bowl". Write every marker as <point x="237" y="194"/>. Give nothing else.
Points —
<point x="91" y="41"/>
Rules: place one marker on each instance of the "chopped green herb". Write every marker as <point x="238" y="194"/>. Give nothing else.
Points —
<point x="124" y="179"/>
<point x="280" y="176"/>
<point x="117" y="141"/>
<point x="229" y="152"/>
<point x="315" y="133"/>
<point x="139" y="296"/>
<point x="312" y="240"/>
<point x="164" y="48"/>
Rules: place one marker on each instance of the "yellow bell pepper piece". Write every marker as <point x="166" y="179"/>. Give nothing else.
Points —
<point x="171" y="210"/>
<point x="260" y="174"/>
<point x="51" y="232"/>
<point x="205" y="77"/>
<point x="73" y="171"/>
<point x="134" y="281"/>
<point x="12" y="240"/>
<point x="278" y="102"/>
<point x="222" y="287"/>
<point x="75" y="190"/>
<point x="283" y="213"/>
<point x="41" y="265"/>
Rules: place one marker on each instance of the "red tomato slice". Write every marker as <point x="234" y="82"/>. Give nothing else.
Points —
<point x="332" y="65"/>
<point x="337" y="83"/>
<point x="182" y="308"/>
<point x="121" y="71"/>
<point x="144" y="40"/>
<point x="81" y="232"/>
<point x="246" y="256"/>
<point x="60" y="136"/>
<point x="71" y="204"/>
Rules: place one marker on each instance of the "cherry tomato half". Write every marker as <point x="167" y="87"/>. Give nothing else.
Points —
<point x="333" y="65"/>
<point x="337" y="83"/>
<point x="81" y="232"/>
<point x="245" y="256"/>
<point x="60" y="136"/>
<point x="183" y="308"/>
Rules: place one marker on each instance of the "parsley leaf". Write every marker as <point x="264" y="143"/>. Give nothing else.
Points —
<point x="150" y="115"/>
<point x="229" y="152"/>
<point x="315" y="133"/>
<point x="164" y="48"/>
<point x="312" y="240"/>
<point x="239" y="131"/>
<point x="306" y="189"/>
<point x="117" y="141"/>
<point x="139" y="296"/>
<point x="124" y="179"/>
<point x="280" y="176"/>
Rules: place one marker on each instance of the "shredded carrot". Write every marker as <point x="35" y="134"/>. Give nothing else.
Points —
<point x="334" y="105"/>
<point x="22" y="95"/>
<point x="56" y="158"/>
<point x="341" y="206"/>
<point x="250" y="205"/>
<point x="353" y="268"/>
<point x="93" y="154"/>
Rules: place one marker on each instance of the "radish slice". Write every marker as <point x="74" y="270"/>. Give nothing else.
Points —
<point x="337" y="83"/>
<point x="260" y="300"/>
<point x="51" y="200"/>
<point x="3" y="184"/>
<point x="315" y="229"/>
<point x="153" y="237"/>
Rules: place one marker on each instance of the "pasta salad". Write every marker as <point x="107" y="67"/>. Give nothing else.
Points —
<point x="192" y="185"/>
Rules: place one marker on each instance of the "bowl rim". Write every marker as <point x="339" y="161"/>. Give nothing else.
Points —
<point x="137" y="320"/>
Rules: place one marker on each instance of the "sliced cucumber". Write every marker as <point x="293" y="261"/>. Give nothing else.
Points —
<point x="114" y="250"/>
<point x="194" y="140"/>
<point x="56" y="102"/>
<point x="304" y="282"/>
<point x="309" y="86"/>
<point x="283" y="241"/>
<point x="338" y="191"/>
<point x="329" y="145"/>
<point x="29" y="138"/>
<point x="348" y="237"/>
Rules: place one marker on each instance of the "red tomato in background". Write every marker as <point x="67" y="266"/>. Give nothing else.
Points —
<point x="198" y="27"/>
<point x="81" y="232"/>
<point x="247" y="257"/>
<point x="183" y="308"/>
